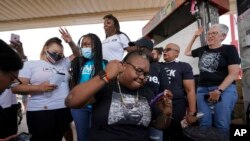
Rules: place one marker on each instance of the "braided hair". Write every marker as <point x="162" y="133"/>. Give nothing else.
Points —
<point x="78" y="63"/>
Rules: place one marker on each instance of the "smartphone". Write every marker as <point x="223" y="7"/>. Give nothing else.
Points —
<point x="22" y="137"/>
<point x="207" y="96"/>
<point x="156" y="98"/>
<point x="57" y="79"/>
<point x="14" y="37"/>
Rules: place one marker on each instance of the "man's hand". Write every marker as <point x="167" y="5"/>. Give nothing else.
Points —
<point x="191" y="119"/>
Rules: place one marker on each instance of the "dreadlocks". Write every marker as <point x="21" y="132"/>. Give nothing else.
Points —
<point x="78" y="63"/>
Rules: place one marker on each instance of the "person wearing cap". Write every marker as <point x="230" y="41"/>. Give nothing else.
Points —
<point x="178" y="77"/>
<point x="10" y="64"/>
<point x="146" y="45"/>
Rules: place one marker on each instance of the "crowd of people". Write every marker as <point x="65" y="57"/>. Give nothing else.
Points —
<point x="111" y="97"/>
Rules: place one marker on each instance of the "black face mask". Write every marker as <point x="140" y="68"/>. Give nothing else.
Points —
<point x="53" y="57"/>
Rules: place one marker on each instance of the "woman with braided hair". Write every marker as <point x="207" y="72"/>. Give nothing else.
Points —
<point x="83" y="68"/>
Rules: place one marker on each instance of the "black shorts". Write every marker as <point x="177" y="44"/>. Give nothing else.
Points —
<point x="48" y="125"/>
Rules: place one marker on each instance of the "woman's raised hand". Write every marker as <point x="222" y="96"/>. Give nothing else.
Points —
<point x="198" y="32"/>
<point x="65" y="35"/>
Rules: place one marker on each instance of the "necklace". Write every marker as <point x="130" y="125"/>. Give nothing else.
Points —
<point x="129" y="105"/>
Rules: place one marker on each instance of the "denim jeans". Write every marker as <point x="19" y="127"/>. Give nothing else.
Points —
<point x="222" y="110"/>
<point x="155" y="134"/>
<point x="82" y="121"/>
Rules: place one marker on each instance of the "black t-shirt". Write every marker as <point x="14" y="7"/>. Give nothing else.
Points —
<point x="213" y="63"/>
<point x="172" y="75"/>
<point x="153" y="81"/>
<point x="114" y="121"/>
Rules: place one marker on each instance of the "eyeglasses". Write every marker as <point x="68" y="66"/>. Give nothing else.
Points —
<point x="169" y="49"/>
<point x="14" y="77"/>
<point x="212" y="33"/>
<point x="139" y="71"/>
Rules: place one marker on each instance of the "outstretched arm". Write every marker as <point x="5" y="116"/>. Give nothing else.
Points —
<point x="190" y="44"/>
<point x="68" y="39"/>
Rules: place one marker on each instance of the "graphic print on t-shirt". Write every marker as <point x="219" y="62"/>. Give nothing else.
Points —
<point x="209" y="61"/>
<point x="132" y="112"/>
<point x="87" y="71"/>
<point x="170" y="71"/>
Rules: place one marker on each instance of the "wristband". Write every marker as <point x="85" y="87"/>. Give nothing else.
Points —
<point x="103" y="76"/>
<point x="192" y="113"/>
<point x="220" y="90"/>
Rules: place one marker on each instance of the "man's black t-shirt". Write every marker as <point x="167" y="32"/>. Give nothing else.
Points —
<point x="172" y="75"/>
<point x="213" y="63"/>
<point x="153" y="81"/>
<point x="112" y="120"/>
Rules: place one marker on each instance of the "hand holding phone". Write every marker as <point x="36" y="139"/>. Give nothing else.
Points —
<point x="156" y="98"/>
<point x="57" y="79"/>
<point x="206" y="97"/>
<point x="14" y="37"/>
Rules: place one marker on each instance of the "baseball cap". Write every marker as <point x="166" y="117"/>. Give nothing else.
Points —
<point x="142" y="42"/>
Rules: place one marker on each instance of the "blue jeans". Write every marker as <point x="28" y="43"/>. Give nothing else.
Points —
<point x="155" y="134"/>
<point x="222" y="110"/>
<point x="82" y="121"/>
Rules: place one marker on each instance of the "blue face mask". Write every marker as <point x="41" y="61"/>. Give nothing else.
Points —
<point x="87" y="52"/>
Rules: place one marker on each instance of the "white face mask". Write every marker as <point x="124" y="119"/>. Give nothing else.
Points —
<point x="87" y="52"/>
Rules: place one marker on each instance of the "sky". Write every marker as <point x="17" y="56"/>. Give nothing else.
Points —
<point x="34" y="39"/>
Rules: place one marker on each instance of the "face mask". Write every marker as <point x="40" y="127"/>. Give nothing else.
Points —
<point x="87" y="52"/>
<point x="53" y="57"/>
